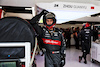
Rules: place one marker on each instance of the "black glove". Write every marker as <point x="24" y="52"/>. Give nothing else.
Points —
<point x="44" y="12"/>
<point x="35" y="19"/>
<point x="62" y="61"/>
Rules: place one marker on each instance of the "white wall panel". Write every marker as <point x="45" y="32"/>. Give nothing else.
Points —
<point x="26" y="3"/>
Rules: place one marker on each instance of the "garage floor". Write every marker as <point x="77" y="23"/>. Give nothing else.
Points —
<point x="72" y="55"/>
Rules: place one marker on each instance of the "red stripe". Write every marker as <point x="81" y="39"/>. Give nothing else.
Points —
<point x="0" y="13"/>
<point x="51" y="42"/>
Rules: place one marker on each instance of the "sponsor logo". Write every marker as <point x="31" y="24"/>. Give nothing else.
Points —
<point x="52" y="42"/>
<point x="56" y="5"/>
<point x="74" y="6"/>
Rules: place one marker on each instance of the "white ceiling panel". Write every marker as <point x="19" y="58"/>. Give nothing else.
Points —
<point x="31" y="3"/>
<point x="68" y="11"/>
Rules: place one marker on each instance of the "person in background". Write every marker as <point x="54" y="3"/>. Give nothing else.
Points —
<point x="68" y="37"/>
<point x="52" y="39"/>
<point x="86" y="38"/>
<point x="75" y="33"/>
<point x="72" y="30"/>
<point x="95" y="33"/>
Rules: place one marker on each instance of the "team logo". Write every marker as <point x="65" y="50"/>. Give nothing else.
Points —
<point x="51" y="42"/>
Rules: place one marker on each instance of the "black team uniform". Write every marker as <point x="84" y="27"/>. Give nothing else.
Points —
<point x="52" y="40"/>
<point x="86" y="40"/>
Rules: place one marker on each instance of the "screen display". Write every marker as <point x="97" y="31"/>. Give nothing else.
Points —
<point x="8" y="64"/>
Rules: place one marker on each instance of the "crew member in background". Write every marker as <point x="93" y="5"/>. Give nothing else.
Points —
<point x="75" y="34"/>
<point x="52" y="39"/>
<point x="95" y="33"/>
<point x="68" y="37"/>
<point x="86" y="41"/>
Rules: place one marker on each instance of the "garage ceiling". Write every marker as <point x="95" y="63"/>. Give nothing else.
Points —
<point x="31" y="3"/>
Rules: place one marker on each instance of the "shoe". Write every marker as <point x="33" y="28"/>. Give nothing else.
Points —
<point x="80" y="58"/>
<point x="85" y="62"/>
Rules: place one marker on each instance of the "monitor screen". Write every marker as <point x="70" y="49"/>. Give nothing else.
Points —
<point x="8" y="64"/>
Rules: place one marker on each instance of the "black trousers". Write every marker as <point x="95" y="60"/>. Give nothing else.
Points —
<point x="86" y="47"/>
<point x="52" y="60"/>
<point x="76" y="43"/>
<point x="68" y="43"/>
